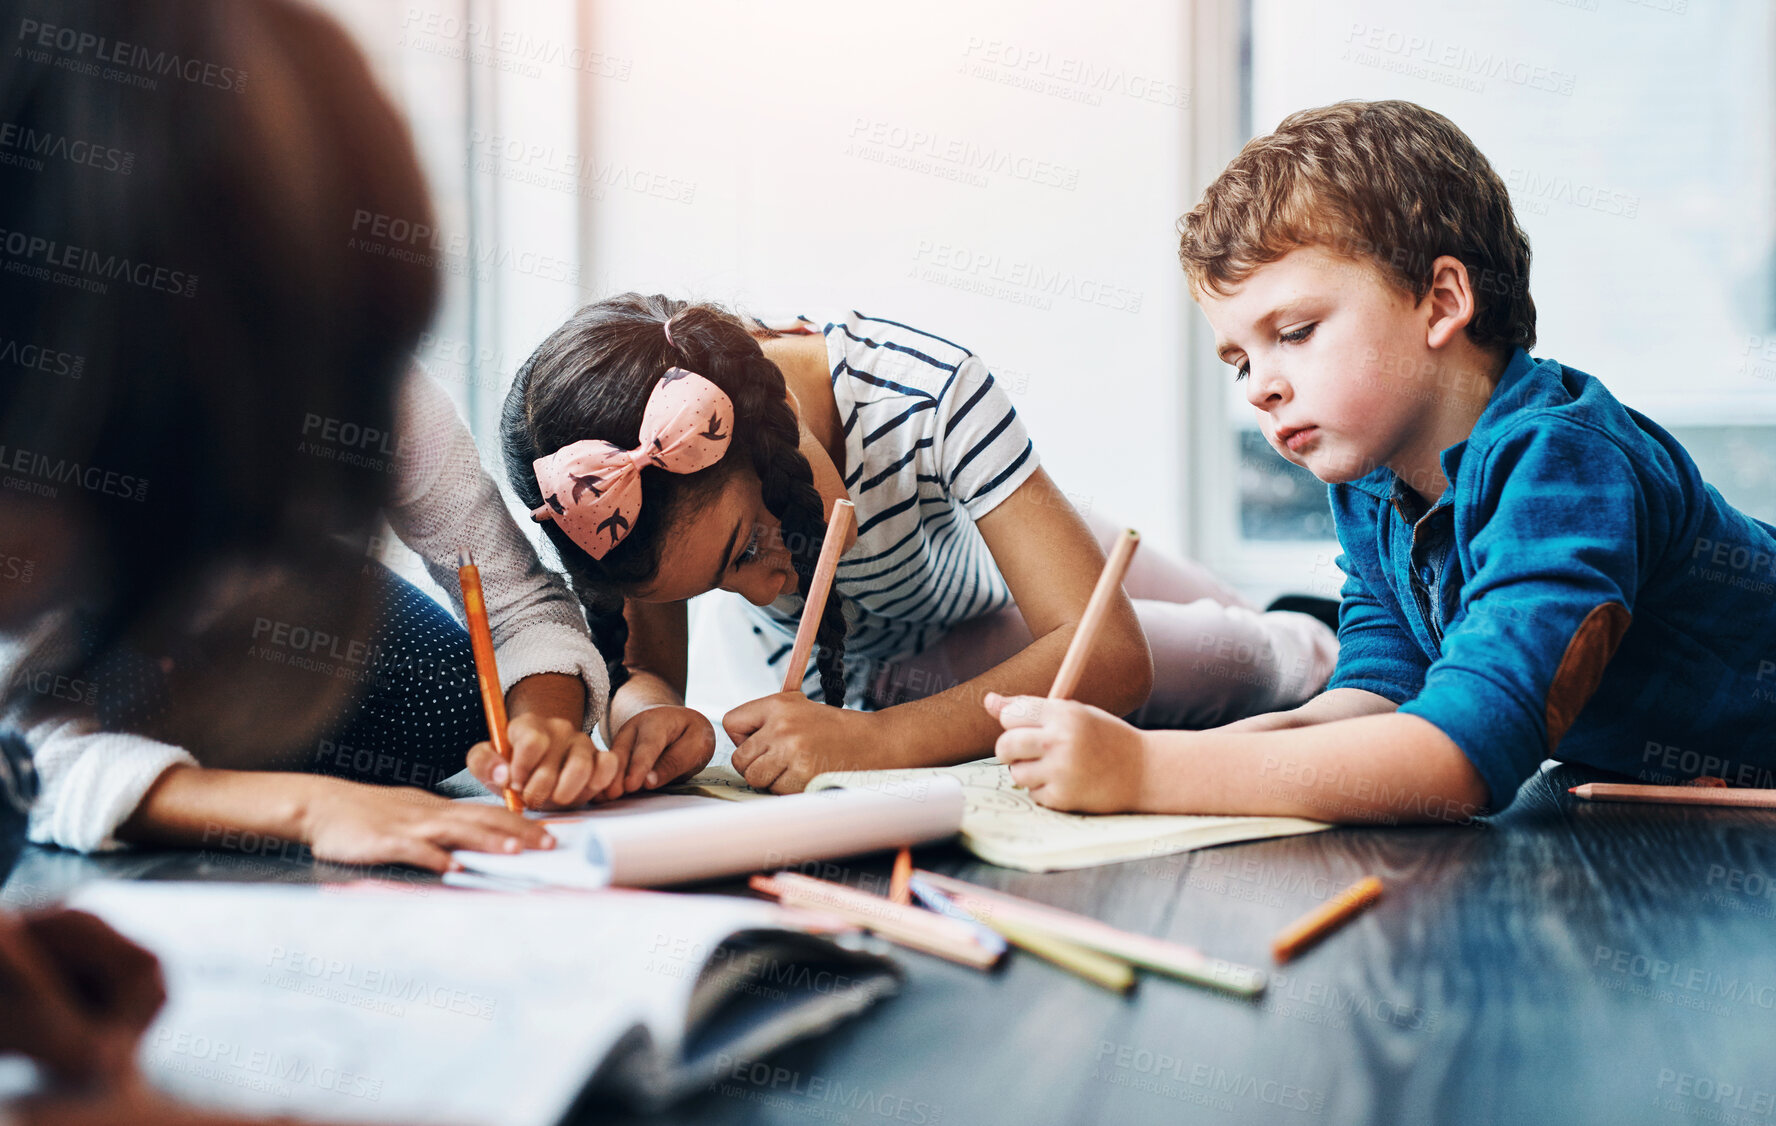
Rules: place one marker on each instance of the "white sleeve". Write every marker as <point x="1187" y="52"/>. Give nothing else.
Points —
<point x="980" y="446"/>
<point x="90" y="781"/>
<point x="445" y="501"/>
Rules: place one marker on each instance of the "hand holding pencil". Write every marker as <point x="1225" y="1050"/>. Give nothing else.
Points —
<point x="782" y="741"/>
<point x="1071" y="755"/>
<point x="539" y="757"/>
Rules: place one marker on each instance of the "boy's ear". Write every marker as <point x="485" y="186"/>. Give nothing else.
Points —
<point x="1450" y="301"/>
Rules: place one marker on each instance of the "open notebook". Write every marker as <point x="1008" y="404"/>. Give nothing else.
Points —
<point x="1003" y="825"/>
<point x="440" y="1006"/>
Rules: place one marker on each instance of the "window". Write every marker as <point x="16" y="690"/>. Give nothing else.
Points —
<point x="492" y="91"/>
<point x="1638" y="141"/>
<point x="1011" y="179"/>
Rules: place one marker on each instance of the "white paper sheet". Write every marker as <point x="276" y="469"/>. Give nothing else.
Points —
<point x="1003" y="824"/>
<point x="659" y="845"/>
<point x="427" y="1005"/>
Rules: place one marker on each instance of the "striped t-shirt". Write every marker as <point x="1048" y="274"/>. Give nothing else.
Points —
<point x="932" y="443"/>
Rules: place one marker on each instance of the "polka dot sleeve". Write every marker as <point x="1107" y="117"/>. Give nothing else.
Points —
<point x="444" y="501"/>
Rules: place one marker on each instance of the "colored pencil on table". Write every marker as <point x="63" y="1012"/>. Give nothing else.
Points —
<point x="1185" y="963"/>
<point x="1073" y="664"/>
<point x="493" y="702"/>
<point x="838" y="526"/>
<point x="937" y="901"/>
<point x="900" y="884"/>
<point x="1676" y="795"/>
<point x="1113" y="974"/>
<point x="909" y="926"/>
<point x="1322" y="921"/>
<point x="1099" y="969"/>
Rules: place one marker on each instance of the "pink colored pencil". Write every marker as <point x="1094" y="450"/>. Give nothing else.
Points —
<point x="1185" y="963"/>
<point x="1073" y="664"/>
<point x="909" y="926"/>
<point x="1676" y="795"/>
<point x="838" y="526"/>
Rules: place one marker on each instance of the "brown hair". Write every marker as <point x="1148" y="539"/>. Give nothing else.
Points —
<point x="1388" y="182"/>
<point x="591" y="379"/>
<point x="241" y="311"/>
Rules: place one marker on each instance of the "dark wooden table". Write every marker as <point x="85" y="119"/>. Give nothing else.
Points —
<point x="1562" y="962"/>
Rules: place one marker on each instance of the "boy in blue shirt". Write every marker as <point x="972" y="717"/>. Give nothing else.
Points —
<point x="1532" y="569"/>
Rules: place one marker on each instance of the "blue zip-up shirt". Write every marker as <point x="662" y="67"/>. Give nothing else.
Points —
<point x="1578" y="588"/>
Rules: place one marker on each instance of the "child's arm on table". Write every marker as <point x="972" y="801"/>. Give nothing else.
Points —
<point x="360" y="823"/>
<point x="1332" y="704"/>
<point x="1051" y="562"/>
<point x="1556" y="567"/>
<point x="656" y="738"/>
<point x="339" y="820"/>
<point x="1370" y="768"/>
<point x="103" y="789"/>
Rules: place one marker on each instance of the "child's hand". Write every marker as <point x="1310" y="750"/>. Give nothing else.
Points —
<point x="79" y="995"/>
<point x="1070" y="755"/>
<point x="658" y="746"/>
<point x="554" y="764"/>
<point x="356" y="823"/>
<point x="781" y="742"/>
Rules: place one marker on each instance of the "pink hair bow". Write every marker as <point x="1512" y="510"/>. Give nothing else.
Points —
<point x="592" y="489"/>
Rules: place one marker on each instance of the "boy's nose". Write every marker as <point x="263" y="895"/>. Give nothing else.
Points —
<point x="1266" y="389"/>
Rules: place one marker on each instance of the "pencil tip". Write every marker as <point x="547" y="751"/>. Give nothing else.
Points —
<point x="1572" y="789"/>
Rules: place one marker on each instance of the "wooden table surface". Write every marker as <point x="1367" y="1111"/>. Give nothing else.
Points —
<point x="1562" y="962"/>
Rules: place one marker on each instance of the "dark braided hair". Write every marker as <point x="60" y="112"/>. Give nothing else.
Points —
<point x="591" y="379"/>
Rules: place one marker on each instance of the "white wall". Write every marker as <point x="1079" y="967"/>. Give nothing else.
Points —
<point x="1006" y="175"/>
<point x="493" y="92"/>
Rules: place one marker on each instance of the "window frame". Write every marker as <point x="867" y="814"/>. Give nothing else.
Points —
<point x="1221" y="58"/>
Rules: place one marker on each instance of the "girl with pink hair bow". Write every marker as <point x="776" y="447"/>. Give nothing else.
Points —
<point x="670" y="449"/>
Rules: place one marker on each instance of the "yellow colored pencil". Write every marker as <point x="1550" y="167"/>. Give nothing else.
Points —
<point x="1185" y="963"/>
<point x="1113" y="974"/>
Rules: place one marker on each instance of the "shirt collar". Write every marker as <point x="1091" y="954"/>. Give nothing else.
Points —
<point x="1507" y="395"/>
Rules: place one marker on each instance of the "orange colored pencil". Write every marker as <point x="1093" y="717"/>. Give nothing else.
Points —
<point x="1319" y="923"/>
<point x="1676" y="795"/>
<point x="900" y="885"/>
<point x="1073" y="664"/>
<point x="493" y="702"/>
<point x="838" y="526"/>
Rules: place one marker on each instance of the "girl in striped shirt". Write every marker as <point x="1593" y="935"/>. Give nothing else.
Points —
<point x="669" y="449"/>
